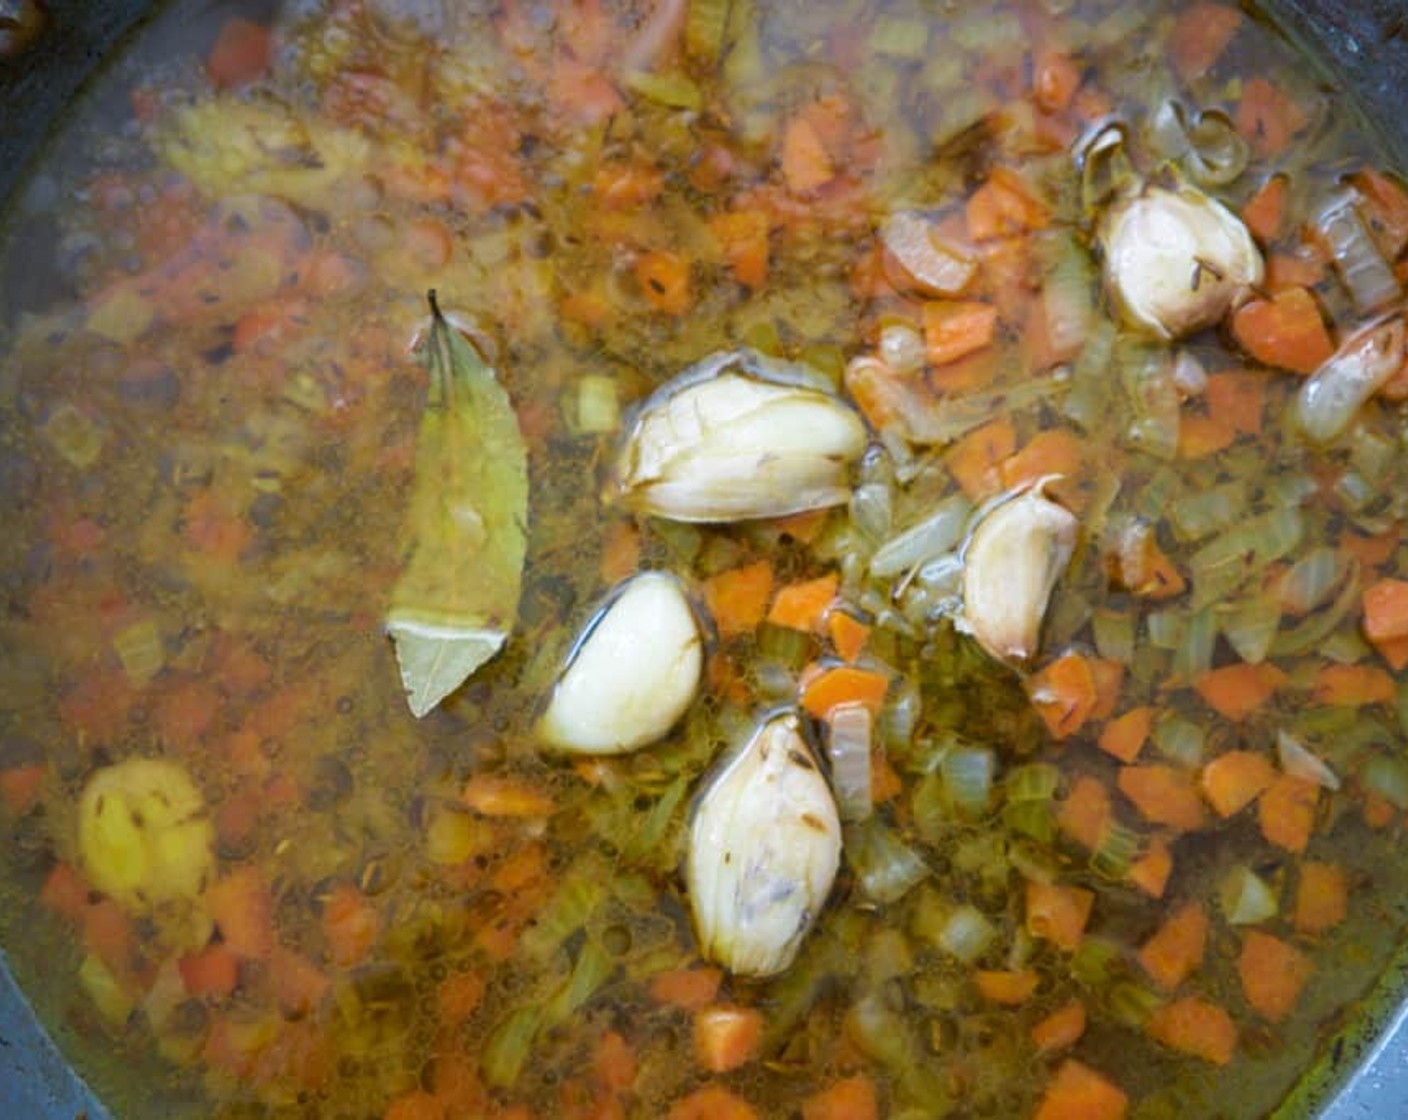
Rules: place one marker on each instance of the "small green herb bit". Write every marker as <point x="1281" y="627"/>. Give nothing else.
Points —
<point x="455" y="602"/>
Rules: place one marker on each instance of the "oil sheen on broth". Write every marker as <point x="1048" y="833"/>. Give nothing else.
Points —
<point x="1093" y="643"/>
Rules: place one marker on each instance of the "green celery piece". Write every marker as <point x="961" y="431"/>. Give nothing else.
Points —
<point x="457" y="597"/>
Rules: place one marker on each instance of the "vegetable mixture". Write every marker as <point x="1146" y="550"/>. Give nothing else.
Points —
<point x="707" y="559"/>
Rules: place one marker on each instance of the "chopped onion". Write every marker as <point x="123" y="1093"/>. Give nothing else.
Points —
<point x="968" y="774"/>
<point x="1115" y="632"/>
<point x="1192" y="657"/>
<point x="1388" y="777"/>
<point x="920" y="260"/>
<point x="1245" y="897"/>
<point x="1180" y="741"/>
<point x="1310" y="580"/>
<point x="1300" y="762"/>
<point x="870" y="509"/>
<point x="1115" y="854"/>
<point x="1036" y="781"/>
<point x="1165" y="628"/>
<point x="1250" y="627"/>
<point x="886" y="866"/>
<point x="1329" y="401"/>
<point x="1367" y="277"/>
<point x="1227" y="561"/>
<point x="902" y="348"/>
<point x="966" y="934"/>
<point x="1067" y="296"/>
<point x="1308" y="634"/>
<point x="1201" y="513"/>
<point x="848" y="748"/>
<point x="937" y="533"/>
<point x="1217" y="154"/>
<point x="1147" y="372"/>
<point x="1189" y="375"/>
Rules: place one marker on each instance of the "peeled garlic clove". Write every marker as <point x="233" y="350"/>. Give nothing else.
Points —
<point x="1010" y="566"/>
<point x="632" y="673"/>
<point x="764" y="846"/>
<point x="144" y="834"/>
<point x="733" y="447"/>
<point x="1177" y="261"/>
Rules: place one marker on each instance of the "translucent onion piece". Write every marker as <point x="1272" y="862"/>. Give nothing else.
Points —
<point x="848" y="743"/>
<point x="968" y="774"/>
<point x="1105" y="170"/>
<point x="1367" y="277"/>
<point x="886" y="866"/>
<point x="1300" y="761"/>
<point x="1246" y="898"/>
<point x="1216" y="154"/>
<point x="966" y="934"/>
<point x="919" y="259"/>
<point x="1310" y="580"/>
<point x="1331" y="398"/>
<point x="1388" y="777"/>
<point x="937" y="533"/>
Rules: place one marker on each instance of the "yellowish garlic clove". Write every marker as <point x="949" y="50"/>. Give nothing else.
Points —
<point x="1177" y="261"/>
<point x="1011" y="563"/>
<point x="730" y="446"/>
<point x="634" y="671"/>
<point x="763" y="850"/>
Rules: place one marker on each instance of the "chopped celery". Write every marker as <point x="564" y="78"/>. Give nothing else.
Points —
<point x="705" y="26"/>
<point x="1201" y="513"/>
<point x="1225" y="562"/>
<point x="1387" y="776"/>
<point x="1115" y="853"/>
<point x="1193" y="655"/>
<point x="141" y="650"/>
<point x="584" y="887"/>
<point x="886" y="866"/>
<point x="1115" y="633"/>
<point x="1250" y="626"/>
<point x="968" y="774"/>
<point x="1036" y="781"/>
<point x="966" y="934"/>
<point x="671" y="89"/>
<point x="594" y="965"/>
<point x="1034" y="819"/>
<point x="509" y="1045"/>
<point x="1180" y="740"/>
<point x="1311" y="631"/>
<point x="1165" y="628"/>
<point x="598" y="405"/>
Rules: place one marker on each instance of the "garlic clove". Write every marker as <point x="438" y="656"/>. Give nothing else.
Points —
<point x="763" y="850"/>
<point x="731" y="447"/>
<point x="633" y="672"/>
<point x="1177" y="261"/>
<point x="1011" y="563"/>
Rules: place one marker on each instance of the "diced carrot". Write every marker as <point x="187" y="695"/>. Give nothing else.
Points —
<point x="1009" y="987"/>
<point x="614" y="1063"/>
<point x="1234" y="779"/>
<point x="1200" y="35"/>
<point x="623" y="185"/>
<point x="241" y="54"/>
<point x="712" y="1102"/>
<point x="885" y="781"/>
<point x="851" y="1098"/>
<point x="522" y="869"/>
<point x="1077" y="1092"/>
<point x="300" y="984"/>
<point x="1004" y="206"/>
<point x="1379" y="812"/>
<point x="1055" y="79"/>
<point x="806" y="164"/>
<point x="1054" y="451"/>
<point x="1163" y="794"/>
<point x="1266" y="210"/>
<point x="1386" y="619"/>
<point x="1286" y="812"/>
<point x="1322" y="898"/>
<point x="726" y="1037"/>
<point x="954" y="329"/>
<point x="738" y="598"/>
<point x="976" y="459"/>
<point x="19" y="788"/>
<point x="1195" y="1026"/>
<point x="1272" y="973"/>
<point x="1151" y="871"/>
<point x="214" y="971"/>
<point x="65" y="891"/>
<point x="1293" y="270"/>
<point x="1061" y="1029"/>
<point x="848" y="634"/>
<point x="242" y="906"/>
<point x="186" y="710"/>
<point x="1085" y="813"/>
<point x="1354" y="686"/>
<point x="1385" y="205"/>
<point x="1124" y="737"/>
<point x="350" y="924"/>
<point x="1065" y="694"/>
<point x="844" y="684"/>
<point x="1237" y="399"/>
<point x="1108" y="675"/>
<point x="416" y="1104"/>
<point x="687" y="988"/>
<point x="215" y="530"/>
<point x="1201" y="436"/>
<point x="458" y="996"/>
<point x="743" y="236"/>
<point x="1237" y="691"/>
<point x="1058" y="913"/>
<point x="493" y="795"/>
<point x="1268" y="117"/>
<point x="1176" y="948"/>
<point x="802" y="606"/>
<point x="664" y="281"/>
<point x="1285" y="331"/>
<point x="620" y="551"/>
<point x="428" y="243"/>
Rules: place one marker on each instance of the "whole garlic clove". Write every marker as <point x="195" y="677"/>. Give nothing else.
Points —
<point x="764" y="846"/>
<point x="1011" y="563"/>
<point x="734" y="447"/>
<point x="633" y="672"/>
<point x="1177" y="261"/>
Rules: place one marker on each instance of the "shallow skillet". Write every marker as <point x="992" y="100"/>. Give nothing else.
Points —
<point x="1362" y="46"/>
